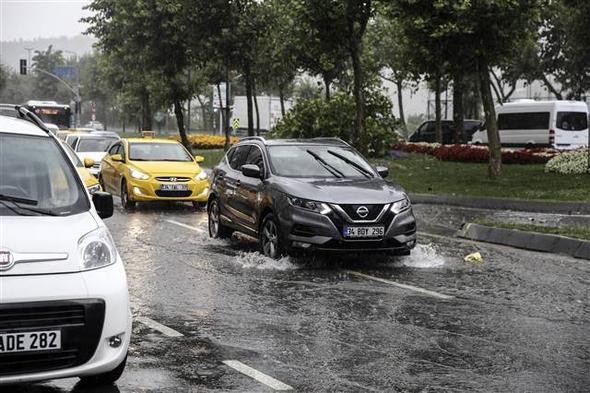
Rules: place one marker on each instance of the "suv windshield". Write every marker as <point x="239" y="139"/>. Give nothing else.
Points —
<point x="158" y="152"/>
<point x="36" y="178"/>
<point x="318" y="161"/>
<point x="94" y="144"/>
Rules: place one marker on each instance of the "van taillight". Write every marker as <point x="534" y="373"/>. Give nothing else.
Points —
<point x="551" y="137"/>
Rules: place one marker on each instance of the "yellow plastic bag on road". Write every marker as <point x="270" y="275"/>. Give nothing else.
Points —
<point x="475" y="257"/>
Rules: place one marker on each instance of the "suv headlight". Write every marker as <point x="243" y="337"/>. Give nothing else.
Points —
<point x="399" y="206"/>
<point x="201" y="176"/>
<point x="137" y="174"/>
<point x="97" y="249"/>
<point x="318" y="207"/>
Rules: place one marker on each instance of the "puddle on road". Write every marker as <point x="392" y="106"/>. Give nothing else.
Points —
<point x="424" y="256"/>
<point x="255" y="260"/>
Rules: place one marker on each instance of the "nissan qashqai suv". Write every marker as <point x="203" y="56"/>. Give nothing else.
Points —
<point x="308" y="195"/>
<point x="64" y="308"/>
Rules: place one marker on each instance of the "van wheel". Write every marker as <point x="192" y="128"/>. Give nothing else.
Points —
<point x="125" y="202"/>
<point x="107" y="378"/>
<point x="269" y="237"/>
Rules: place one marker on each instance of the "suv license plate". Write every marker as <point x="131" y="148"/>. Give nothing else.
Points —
<point x="173" y="187"/>
<point x="30" y="341"/>
<point x="363" y="232"/>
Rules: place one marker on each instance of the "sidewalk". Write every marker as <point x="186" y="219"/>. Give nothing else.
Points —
<point x="569" y="208"/>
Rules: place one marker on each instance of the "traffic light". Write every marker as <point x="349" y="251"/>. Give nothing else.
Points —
<point x="23" y="66"/>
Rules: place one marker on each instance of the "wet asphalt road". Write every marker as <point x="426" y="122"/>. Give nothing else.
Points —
<point x="517" y="322"/>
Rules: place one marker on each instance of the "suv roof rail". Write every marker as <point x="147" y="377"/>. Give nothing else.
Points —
<point x="331" y="138"/>
<point x="25" y="114"/>
<point x="253" y="138"/>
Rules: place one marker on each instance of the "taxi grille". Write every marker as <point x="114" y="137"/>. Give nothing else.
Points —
<point x="172" y="179"/>
<point x="79" y="321"/>
<point x="173" y="194"/>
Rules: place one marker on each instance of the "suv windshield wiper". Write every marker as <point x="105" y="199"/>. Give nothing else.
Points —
<point x="329" y="167"/>
<point x="356" y="166"/>
<point x="18" y="204"/>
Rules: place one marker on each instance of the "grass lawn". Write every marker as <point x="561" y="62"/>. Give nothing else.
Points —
<point x="426" y="174"/>
<point x="212" y="156"/>
<point x="576" y="232"/>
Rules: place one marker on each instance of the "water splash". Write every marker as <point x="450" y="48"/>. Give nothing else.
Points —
<point x="423" y="256"/>
<point x="255" y="260"/>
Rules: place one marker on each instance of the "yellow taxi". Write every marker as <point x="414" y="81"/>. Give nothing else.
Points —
<point x="90" y="181"/>
<point x="145" y="169"/>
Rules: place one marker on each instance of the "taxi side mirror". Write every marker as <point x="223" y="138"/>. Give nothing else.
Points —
<point x="117" y="158"/>
<point x="199" y="159"/>
<point x="88" y="162"/>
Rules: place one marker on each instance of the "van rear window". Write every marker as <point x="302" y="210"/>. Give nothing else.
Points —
<point x="523" y="121"/>
<point x="572" y="121"/>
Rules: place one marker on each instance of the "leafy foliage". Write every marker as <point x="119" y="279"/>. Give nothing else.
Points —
<point x="569" y="163"/>
<point x="336" y="118"/>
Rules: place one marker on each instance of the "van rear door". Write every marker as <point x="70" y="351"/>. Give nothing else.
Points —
<point x="571" y="128"/>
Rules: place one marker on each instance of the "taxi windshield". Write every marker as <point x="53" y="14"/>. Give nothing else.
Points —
<point x="36" y="178"/>
<point x="94" y="144"/>
<point x="158" y="152"/>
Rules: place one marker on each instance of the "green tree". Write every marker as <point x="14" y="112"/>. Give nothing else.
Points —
<point x="46" y="86"/>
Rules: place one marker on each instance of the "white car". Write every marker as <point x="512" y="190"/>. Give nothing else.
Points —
<point x="94" y="146"/>
<point x="64" y="307"/>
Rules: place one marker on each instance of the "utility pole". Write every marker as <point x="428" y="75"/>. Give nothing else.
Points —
<point x="78" y="109"/>
<point x="29" y="56"/>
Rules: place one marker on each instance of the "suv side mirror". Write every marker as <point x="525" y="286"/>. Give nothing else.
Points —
<point x="199" y="159"/>
<point x="117" y="157"/>
<point x="383" y="171"/>
<point x="250" y="170"/>
<point x="88" y="162"/>
<point x="103" y="203"/>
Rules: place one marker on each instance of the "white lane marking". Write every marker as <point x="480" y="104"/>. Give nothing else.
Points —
<point x="257" y="375"/>
<point x="165" y="330"/>
<point x="404" y="286"/>
<point x="192" y="228"/>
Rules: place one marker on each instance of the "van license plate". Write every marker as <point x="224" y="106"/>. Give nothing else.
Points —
<point x="173" y="187"/>
<point x="363" y="232"/>
<point x="30" y="341"/>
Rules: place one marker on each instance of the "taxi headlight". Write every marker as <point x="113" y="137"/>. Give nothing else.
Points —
<point x="97" y="249"/>
<point x="137" y="174"/>
<point x="399" y="206"/>
<point x="201" y="176"/>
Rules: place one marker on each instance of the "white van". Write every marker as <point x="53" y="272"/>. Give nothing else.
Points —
<point x="560" y="124"/>
<point x="64" y="306"/>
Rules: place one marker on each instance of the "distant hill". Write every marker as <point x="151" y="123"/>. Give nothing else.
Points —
<point x="12" y="51"/>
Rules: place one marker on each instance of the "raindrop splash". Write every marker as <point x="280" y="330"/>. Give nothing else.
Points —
<point x="423" y="256"/>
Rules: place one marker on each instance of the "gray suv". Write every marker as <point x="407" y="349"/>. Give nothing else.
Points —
<point x="308" y="195"/>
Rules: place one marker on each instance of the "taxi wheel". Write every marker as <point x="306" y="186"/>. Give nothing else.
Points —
<point x="216" y="229"/>
<point x="101" y="182"/>
<point x="125" y="202"/>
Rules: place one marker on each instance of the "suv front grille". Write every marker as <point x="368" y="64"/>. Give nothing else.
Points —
<point x="80" y="323"/>
<point x="352" y="211"/>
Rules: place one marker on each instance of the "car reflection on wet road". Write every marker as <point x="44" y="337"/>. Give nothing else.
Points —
<point x="217" y="316"/>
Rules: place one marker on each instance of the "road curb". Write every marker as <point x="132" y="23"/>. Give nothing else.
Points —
<point x="555" y="244"/>
<point x="569" y="208"/>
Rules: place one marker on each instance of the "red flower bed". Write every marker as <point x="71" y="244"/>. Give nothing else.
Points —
<point x="469" y="153"/>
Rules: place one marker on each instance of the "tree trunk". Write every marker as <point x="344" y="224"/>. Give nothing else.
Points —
<point x="458" y="127"/>
<point x="495" y="164"/>
<point x="146" y="120"/>
<point x="437" y="111"/>
<point x="400" y="104"/>
<point x="359" y="136"/>
<point x="256" y="107"/>
<point x="282" y="100"/>
<point x="248" y="80"/>
<point x="327" y="83"/>
<point x="180" y="123"/>
<point x="551" y="88"/>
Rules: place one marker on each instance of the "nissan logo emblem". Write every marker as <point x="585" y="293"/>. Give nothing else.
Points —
<point x="6" y="260"/>
<point x="362" y="211"/>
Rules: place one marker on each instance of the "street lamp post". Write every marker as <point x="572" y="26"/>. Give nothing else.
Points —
<point x="78" y="108"/>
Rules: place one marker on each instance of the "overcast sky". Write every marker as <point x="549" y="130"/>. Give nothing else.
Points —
<point x="29" y="19"/>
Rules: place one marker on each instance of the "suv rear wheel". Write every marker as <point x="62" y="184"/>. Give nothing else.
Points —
<point x="269" y="237"/>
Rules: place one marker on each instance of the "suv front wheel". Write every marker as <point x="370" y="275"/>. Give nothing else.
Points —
<point x="269" y="237"/>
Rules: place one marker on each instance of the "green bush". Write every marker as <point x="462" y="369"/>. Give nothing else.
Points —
<point x="569" y="163"/>
<point x="336" y="118"/>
